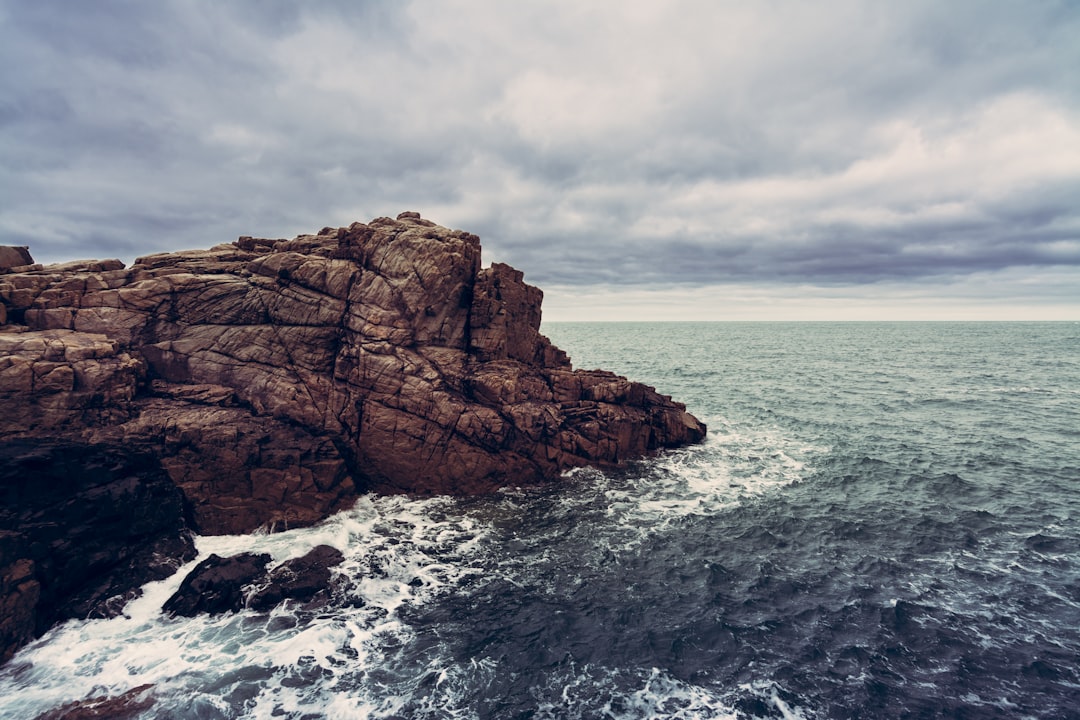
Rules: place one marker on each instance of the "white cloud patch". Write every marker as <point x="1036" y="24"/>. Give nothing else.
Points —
<point x="784" y="145"/>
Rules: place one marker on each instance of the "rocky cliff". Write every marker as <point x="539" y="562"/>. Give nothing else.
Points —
<point x="276" y="378"/>
<point x="269" y="381"/>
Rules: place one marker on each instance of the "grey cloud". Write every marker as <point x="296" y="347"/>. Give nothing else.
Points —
<point x="838" y="143"/>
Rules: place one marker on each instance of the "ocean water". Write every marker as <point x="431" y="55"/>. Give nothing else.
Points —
<point x="884" y="522"/>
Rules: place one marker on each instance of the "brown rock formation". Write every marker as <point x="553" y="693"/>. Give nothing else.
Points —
<point x="275" y="378"/>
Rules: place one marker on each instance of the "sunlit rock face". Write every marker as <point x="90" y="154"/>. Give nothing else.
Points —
<point x="274" y="379"/>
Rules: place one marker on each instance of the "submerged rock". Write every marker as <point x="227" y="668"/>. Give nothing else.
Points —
<point x="276" y="378"/>
<point x="104" y="707"/>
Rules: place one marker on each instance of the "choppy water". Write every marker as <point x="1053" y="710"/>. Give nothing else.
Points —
<point x="883" y="523"/>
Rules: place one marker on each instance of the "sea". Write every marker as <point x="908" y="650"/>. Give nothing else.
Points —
<point x="883" y="522"/>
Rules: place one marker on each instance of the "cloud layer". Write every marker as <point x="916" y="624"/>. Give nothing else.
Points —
<point x="630" y="145"/>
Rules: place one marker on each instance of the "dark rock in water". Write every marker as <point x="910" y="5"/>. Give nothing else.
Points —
<point x="217" y="585"/>
<point x="220" y="584"/>
<point x="303" y="578"/>
<point x="82" y="527"/>
<point x="117" y="707"/>
<point x="276" y="378"/>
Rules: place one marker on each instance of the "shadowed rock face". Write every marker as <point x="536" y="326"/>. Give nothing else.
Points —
<point x="276" y="378"/>
<point x="218" y="584"/>
<point x="82" y="527"/>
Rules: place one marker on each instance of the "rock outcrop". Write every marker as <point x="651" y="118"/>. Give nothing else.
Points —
<point x="218" y="584"/>
<point x="276" y="378"/>
<point x="82" y="527"/>
<point x="270" y="381"/>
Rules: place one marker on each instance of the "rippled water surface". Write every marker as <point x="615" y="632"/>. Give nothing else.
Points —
<point x="883" y="523"/>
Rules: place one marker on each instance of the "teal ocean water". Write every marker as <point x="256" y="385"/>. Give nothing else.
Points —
<point x="884" y="522"/>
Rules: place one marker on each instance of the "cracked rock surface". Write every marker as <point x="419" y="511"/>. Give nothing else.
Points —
<point x="275" y="379"/>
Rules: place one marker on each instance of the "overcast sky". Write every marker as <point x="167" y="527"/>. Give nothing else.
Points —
<point x="636" y="159"/>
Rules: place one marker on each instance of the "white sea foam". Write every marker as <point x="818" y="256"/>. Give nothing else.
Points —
<point x="402" y="553"/>
<point x="734" y="465"/>
<point x="618" y="694"/>
<point x="665" y="697"/>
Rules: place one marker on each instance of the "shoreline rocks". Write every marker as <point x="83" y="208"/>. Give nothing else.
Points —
<point x="273" y="380"/>
<point x="82" y="528"/>
<point x="276" y="378"/>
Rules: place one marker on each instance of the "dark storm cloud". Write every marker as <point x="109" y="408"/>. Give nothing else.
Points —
<point x="625" y="143"/>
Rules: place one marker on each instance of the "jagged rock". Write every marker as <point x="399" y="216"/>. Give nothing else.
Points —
<point x="117" y="707"/>
<point x="217" y="585"/>
<point x="276" y="378"/>
<point x="82" y="527"/>
<point x="303" y="578"/>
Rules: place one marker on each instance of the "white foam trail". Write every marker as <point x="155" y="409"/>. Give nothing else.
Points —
<point x="733" y="466"/>
<point x="593" y="692"/>
<point x="785" y="709"/>
<point x="671" y="699"/>
<point x="403" y="552"/>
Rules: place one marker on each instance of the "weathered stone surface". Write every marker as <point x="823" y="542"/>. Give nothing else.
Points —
<point x="305" y="579"/>
<point x="14" y="256"/>
<point x="275" y="378"/>
<point x="217" y="585"/>
<point x="53" y="381"/>
<point x="82" y="527"/>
